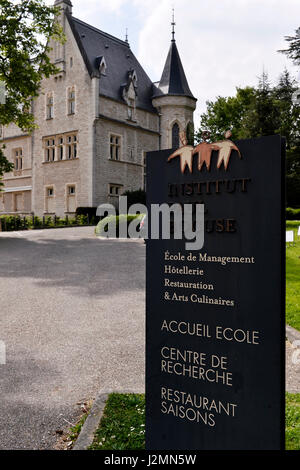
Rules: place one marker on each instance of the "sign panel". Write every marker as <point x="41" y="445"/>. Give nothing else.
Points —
<point x="215" y="323"/>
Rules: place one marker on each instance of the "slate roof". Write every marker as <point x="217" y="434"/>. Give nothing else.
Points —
<point x="173" y="80"/>
<point x="119" y="59"/>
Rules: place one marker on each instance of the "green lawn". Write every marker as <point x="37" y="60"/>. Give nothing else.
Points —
<point x="292" y="421"/>
<point x="123" y="424"/>
<point x="293" y="278"/>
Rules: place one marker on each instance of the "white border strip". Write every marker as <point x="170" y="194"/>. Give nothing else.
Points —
<point x="20" y="188"/>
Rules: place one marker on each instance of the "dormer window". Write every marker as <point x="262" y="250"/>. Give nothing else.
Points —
<point x="101" y="65"/>
<point x="134" y="78"/>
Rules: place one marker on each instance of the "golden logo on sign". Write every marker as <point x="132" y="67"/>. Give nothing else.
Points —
<point x="204" y="151"/>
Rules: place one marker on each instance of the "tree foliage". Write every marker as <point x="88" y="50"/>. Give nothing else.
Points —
<point x="5" y="165"/>
<point x="25" y="27"/>
<point x="24" y="61"/>
<point x="227" y="113"/>
<point x="293" y="51"/>
<point x="259" y="111"/>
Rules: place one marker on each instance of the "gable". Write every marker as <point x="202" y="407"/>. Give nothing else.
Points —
<point x="119" y="60"/>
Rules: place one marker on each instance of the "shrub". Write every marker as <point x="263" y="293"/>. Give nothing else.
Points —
<point x="89" y="213"/>
<point x="81" y="219"/>
<point x="10" y="223"/>
<point x="102" y="226"/>
<point x="292" y="214"/>
<point x="135" y="197"/>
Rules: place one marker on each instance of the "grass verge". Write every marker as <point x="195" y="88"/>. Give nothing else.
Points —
<point x="293" y="278"/>
<point x="123" y="424"/>
<point x="75" y="430"/>
<point x="292" y="421"/>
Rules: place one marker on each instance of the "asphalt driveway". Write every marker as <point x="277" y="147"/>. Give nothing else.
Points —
<point x="72" y="318"/>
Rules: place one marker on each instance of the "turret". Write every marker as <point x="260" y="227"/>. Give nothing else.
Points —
<point x="174" y="100"/>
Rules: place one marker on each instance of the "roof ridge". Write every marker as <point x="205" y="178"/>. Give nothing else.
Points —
<point x="109" y="36"/>
<point x="173" y="80"/>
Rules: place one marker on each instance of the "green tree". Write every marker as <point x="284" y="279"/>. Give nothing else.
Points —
<point x="227" y="113"/>
<point x="262" y="117"/>
<point x="25" y="26"/>
<point x="293" y="147"/>
<point x="288" y="110"/>
<point x="255" y="112"/>
<point x="293" y="51"/>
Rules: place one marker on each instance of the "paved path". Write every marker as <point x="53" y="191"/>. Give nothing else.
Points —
<point x="292" y="368"/>
<point x="72" y="318"/>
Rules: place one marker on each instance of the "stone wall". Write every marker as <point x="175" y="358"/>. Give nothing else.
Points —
<point x="79" y="171"/>
<point x="179" y="109"/>
<point x="15" y="198"/>
<point x="128" y="171"/>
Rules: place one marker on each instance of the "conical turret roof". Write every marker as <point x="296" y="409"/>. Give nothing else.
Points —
<point x="173" y="80"/>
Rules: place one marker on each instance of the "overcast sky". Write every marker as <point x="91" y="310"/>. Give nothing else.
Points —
<point x="222" y="43"/>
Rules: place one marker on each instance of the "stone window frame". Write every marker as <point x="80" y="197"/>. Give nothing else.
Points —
<point x="114" y="189"/>
<point x="171" y="133"/>
<point x="68" y="195"/>
<point x="14" y="201"/>
<point x="71" y="100"/>
<point x="18" y="158"/>
<point x="49" y="149"/>
<point x="50" y="191"/>
<point x="113" y="146"/>
<point x="48" y="196"/>
<point x="49" y="105"/>
<point x="71" y="146"/>
<point x="55" y="144"/>
<point x="71" y="189"/>
<point x="60" y="144"/>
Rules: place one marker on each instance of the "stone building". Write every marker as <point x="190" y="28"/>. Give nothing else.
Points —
<point x="97" y="118"/>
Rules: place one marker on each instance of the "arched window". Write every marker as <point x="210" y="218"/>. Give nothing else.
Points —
<point x="175" y="136"/>
<point x="190" y="133"/>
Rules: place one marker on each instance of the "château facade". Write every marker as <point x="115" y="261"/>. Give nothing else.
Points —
<point x="97" y="118"/>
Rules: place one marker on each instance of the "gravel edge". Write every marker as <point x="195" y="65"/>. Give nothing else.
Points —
<point x="87" y="433"/>
<point x="292" y="334"/>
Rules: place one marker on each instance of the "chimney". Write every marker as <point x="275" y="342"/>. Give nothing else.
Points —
<point x="64" y="5"/>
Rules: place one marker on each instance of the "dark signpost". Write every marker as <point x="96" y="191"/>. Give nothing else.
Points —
<point x="215" y="316"/>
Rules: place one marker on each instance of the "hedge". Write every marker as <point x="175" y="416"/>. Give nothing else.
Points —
<point x="292" y="214"/>
<point x="135" y="197"/>
<point x="9" y="223"/>
<point x="90" y="213"/>
<point x="102" y="226"/>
